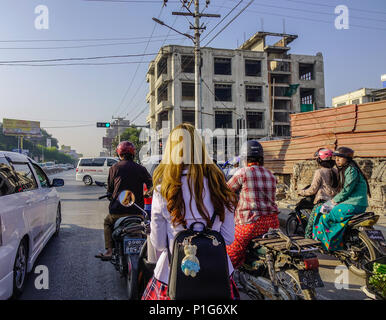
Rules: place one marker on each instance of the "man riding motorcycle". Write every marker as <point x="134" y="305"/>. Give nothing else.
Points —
<point x="124" y="175"/>
<point x="256" y="211"/>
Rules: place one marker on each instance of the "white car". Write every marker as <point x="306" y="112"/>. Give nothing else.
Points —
<point x="94" y="169"/>
<point x="30" y="213"/>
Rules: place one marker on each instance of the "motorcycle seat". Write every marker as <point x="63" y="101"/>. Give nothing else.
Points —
<point x="124" y="221"/>
<point x="364" y="219"/>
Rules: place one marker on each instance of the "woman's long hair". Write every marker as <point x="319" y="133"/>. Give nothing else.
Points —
<point x="342" y="170"/>
<point x="185" y="150"/>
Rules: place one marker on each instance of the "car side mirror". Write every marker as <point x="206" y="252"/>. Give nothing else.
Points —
<point x="57" y="183"/>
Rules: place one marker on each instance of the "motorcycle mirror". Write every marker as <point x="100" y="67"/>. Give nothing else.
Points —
<point x="126" y="198"/>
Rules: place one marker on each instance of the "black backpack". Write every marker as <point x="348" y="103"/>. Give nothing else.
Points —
<point x="199" y="265"/>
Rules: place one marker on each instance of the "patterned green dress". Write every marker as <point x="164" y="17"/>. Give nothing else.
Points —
<point x="352" y="199"/>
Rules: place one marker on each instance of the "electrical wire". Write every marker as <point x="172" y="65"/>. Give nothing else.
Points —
<point x="233" y="19"/>
<point x="82" y="46"/>
<point x="234" y="8"/>
<point x="85" y="58"/>
<point x="136" y="70"/>
<point x="71" y="64"/>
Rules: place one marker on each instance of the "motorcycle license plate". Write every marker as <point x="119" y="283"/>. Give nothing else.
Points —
<point x="375" y="235"/>
<point x="310" y="279"/>
<point x="133" y="246"/>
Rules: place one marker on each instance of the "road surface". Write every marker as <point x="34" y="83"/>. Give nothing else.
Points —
<point x="74" y="272"/>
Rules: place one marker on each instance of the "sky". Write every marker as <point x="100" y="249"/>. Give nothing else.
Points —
<point x="69" y="100"/>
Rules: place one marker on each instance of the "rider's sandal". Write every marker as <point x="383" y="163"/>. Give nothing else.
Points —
<point x="102" y="257"/>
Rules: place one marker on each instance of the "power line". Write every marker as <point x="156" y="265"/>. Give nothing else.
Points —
<point x="82" y="46"/>
<point x="332" y="6"/>
<point x="70" y="64"/>
<point x="76" y="126"/>
<point x="81" y="40"/>
<point x="312" y="19"/>
<point x="317" y="12"/>
<point x="136" y="70"/>
<point x="86" y="58"/>
<point x="234" y="18"/>
<point x="128" y="1"/>
<point x="234" y="8"/>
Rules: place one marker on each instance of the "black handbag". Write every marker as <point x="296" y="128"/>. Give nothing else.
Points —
<point x="199" y="265"/>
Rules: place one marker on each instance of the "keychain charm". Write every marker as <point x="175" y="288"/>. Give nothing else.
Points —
<point x="190" y="264"/>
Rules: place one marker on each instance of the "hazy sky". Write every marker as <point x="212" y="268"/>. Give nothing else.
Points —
<point x="67" y="96"/>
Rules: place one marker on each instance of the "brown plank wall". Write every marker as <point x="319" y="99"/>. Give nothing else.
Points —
<point x="360" y="127"/>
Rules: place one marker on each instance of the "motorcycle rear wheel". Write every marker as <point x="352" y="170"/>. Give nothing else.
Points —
<point x="289" y="279"/>
<point x="357" y="267"/>
<point x="132" y="278"/>
<point x="293" y="227"/>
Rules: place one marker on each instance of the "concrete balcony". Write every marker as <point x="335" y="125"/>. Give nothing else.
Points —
<point x="163" y="105"/>
<point x="163" y="78"/>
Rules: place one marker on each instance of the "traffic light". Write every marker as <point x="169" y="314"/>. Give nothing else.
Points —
<point x="103" y="124"/>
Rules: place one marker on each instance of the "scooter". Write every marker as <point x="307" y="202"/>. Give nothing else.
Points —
<point x="133" y="256"/>
<point x="362" y="243"/>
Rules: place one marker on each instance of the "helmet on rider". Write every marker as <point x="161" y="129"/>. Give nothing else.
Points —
<point x="126" y="150"/>
<point x="323" y="157"/>
<point x="344" y="152"/>
<point x="323" y="154"/>
<point x="253" y="151"/>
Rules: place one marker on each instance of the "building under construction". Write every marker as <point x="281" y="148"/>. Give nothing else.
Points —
<point x="256" y="86"/>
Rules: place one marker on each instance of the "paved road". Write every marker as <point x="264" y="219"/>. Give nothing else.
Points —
<point x="76" y="274"/>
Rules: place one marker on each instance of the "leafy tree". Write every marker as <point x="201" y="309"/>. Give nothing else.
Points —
<point x="131" y="134"/>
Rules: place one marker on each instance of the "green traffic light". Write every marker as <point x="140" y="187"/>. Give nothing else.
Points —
<point x="107" y="125"/>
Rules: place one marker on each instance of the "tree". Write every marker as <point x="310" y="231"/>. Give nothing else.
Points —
<point x="130" y="134"/>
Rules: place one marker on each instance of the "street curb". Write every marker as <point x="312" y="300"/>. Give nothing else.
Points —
<point x="284" y="212"/>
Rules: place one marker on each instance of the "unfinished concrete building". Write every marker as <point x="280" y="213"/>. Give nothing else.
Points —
<point x="255" y="86"/>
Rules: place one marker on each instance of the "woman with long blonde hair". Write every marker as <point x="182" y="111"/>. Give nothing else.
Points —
<point x="188" y="187"/>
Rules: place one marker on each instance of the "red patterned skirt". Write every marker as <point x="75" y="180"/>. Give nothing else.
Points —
<point x="244" y="233"/>
<point x="157" y="290"/>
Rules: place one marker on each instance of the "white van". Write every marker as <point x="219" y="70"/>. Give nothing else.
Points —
<point x="94" y="169"/>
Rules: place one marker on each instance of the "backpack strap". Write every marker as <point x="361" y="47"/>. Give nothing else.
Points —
<point x="212" y="219"/>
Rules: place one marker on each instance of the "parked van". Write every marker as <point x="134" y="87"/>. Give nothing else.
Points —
<point x="94" y="169"/>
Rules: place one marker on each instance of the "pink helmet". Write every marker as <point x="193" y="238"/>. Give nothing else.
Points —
<point x="323" y="154"/>
<point x="126" y="147"/>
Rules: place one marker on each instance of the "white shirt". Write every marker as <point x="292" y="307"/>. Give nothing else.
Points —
<point x="161" y="225"/>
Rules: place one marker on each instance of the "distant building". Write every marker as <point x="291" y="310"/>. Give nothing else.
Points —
<point x="251" y="83"/>
<point x="360" y="96"/>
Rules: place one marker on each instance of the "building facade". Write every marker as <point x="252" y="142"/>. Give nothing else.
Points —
<point x="254" y="87"/>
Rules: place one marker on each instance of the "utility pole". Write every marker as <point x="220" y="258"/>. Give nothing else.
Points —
<point x="197" y="51"/>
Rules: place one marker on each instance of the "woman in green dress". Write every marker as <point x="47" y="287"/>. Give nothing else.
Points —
<point x="350" y="200"/>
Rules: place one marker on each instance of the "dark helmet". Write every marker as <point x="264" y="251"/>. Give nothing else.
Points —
<point x="344" y="152"/>
<point x="252" y="148"/>
<point x="126" y="147"/>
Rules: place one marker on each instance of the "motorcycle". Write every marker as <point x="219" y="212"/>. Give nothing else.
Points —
<point x="362" y="243"/>
<point x="132" y="254"/>
<point x="278" y="267"/>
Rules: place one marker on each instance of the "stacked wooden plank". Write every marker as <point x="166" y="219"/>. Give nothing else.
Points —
<point x="360" y="127"/>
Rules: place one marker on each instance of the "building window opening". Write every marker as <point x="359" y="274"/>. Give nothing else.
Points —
<point x="162" y="116"/>
<point x="162" y="93"/>
<point x="188" y="116"/>
<point x="255" y="120"/>
<point x="222" y="66"/>
<point x="282" y="130"/>
<point x="307" y="96"/>
<point x="187" y="89"/>
<point x="253" y="94"/>
<point x="281" y="104"/>
<point x="223" y="119"/>
<point x="306" y="71"/>
<point x="223" y="92"/>
<point x="187" y="64"/>
<point x="253" y="68"/>
<point x="162" y="67"/>
<point x="281" y="116"/>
